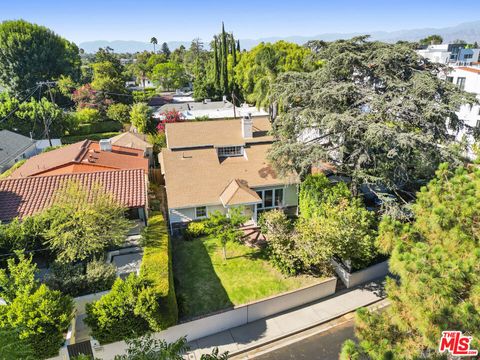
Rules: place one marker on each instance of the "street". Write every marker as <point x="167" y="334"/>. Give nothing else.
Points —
<point x="324" y="346"/>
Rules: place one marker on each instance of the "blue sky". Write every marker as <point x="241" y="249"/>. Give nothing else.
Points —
<point x="84" y="20"/>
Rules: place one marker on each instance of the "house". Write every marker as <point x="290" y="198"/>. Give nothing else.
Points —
<point x="26" y="196"/>
<point x="213" y="110"/>
<point x="83" y="157"/>
<point x="134" y="141"/>
<point x="217" y="165"/>
<point x="45" y="143"/>
<point x="14" y="147"/>
<point x="467" y="78"/>
<point x="459" y="54"/>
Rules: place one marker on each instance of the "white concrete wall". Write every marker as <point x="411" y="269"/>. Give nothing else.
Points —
<point x="228" y="319"/>
<point x="362" y="276"/>
<point x="188" y="214"/>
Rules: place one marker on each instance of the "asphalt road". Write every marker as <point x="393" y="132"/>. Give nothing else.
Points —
<point x="323" y="346"/>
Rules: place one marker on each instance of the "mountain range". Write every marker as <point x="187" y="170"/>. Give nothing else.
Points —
<point x="469" y="32"/>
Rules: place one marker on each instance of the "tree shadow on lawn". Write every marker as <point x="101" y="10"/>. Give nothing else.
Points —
<point x="198" y="289"/>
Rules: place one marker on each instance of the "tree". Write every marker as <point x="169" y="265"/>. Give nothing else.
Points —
<point x="258" y="68"/>
<point x="165" y="50"/>
<point x="226" y="227"/>
<point x="87" y="116"/>
<point x="140" y="116"/>
<point x="38" y="315"/>
<point x="87" y="97"/>
<point x="376" y="111"/>
<point x="436" y="260"/>
<point x="170" y="75"/>
<point x="109" y="80"/>
<point x="82" y="223"/>
<point x="431" y="40"/>
<point x="30" y="53"/>
<point x="12" y="347"/>
<point x="119" y="112"/>
<point x="154" y="42"/>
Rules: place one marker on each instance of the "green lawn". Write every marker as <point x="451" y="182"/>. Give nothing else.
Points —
<point x="70" y="139"/>
<point x="204" y="282"/>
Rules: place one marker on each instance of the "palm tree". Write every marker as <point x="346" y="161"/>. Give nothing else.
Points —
<point x="154" y="41"/>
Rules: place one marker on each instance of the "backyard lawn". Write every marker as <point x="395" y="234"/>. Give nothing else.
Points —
<point x="204" y="282"/>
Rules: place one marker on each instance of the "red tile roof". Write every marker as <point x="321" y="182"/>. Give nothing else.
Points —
<point x="83" y="156"/>
<point x="26" y="196"/>
<point x="477" y="71"/>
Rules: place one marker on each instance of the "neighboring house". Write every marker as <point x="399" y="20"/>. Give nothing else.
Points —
<point x="467" y="78"/>
<point x="216" y="165"/>
<point x="213" y="110"/>
<point x="134" y="141"/>
<point x="14" y="147"/>
<point x="26" y="196"/>
<point x="452" y="54"/>
<point x="82" y="157"/>
<point x="43" y="144"/>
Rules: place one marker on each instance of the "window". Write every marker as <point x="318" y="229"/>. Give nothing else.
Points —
<point x="478" y="124"/>
<point x="461" y="83"/>
<point x="278" y="197"/>
<point x="271" y="198"/>
<point x="230" y="151"/>
<point x="450" y="79"/>
<point x="468" y="56"/>
<point x="201" y="212"/>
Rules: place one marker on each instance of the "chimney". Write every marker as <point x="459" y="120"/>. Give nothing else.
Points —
<point x="224" y="98"/>
<point x="247" y="126"/>
<point x="105" y="145"/>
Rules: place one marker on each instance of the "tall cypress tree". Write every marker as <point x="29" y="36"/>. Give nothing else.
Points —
<point x="216" y="63"/>
<point x="224" y="61"/>
<point x="238" y="46"/>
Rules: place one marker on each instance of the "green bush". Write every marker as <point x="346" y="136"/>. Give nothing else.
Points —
<point x="87" y="116"/>
<point x="80" y="279"/>
<point x="119" y="112"/>
<point x="195" y="230"/>
<point x="15" y="166"/>
<point x="157" y="268"/>
<point x="94" y="137"/>
<point x="120" y="314"/>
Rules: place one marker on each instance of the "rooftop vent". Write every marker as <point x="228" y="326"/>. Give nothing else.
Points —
<point x="247" y="126"/>
<point x="105" y="145"/>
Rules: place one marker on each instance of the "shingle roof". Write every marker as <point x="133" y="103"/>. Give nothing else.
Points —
<point x="215" y="133"/>
<point x="12" y="145"/>
<point x="237" y="193"/>
<point x="83" y="156"/>
<point x="131" y="140"/>
<point x="26" y="196"/>
<point x="198" y="177"/>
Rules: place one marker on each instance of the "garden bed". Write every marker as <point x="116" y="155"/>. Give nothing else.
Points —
<point x="206" y="283"/>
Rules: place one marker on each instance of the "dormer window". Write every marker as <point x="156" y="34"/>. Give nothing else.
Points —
<point x="228" y="151"/>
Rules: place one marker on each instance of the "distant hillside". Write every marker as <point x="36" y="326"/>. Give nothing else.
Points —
<point x="469" y="32"/>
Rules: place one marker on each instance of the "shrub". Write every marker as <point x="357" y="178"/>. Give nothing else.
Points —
<point x="195" y="230"/>
<point x="119" y="314"/>
<point x="80" y="279"/>
<point x="99" y="127"/>
<point x="119" y="112"/>
<point x="140" y="116"/>
<point x="157" y="268"/>
<point x="15" y="166"/>
<point x="88" y="116"/>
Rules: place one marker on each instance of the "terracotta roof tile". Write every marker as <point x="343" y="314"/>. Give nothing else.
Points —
<point x="85" y="152"/>
<point x="26" y="196"/>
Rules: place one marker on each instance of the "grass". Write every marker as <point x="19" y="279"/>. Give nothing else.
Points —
<point x="70" y="139"/>
<point x="206" y="283"/>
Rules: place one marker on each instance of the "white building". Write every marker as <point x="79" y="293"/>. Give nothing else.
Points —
<point x="453" y="54"/>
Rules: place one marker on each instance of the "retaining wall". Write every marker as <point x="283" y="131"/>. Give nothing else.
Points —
<point x="362" y="276"/>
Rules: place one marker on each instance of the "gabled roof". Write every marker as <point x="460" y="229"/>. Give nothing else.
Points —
<point x="237" y="192"/>
<point x="131" y="140"/>
<point x="27" y="196"/>
<point x="12" y="145"/>
<point x="215" y="133"/>
<point x="83" y="156"/>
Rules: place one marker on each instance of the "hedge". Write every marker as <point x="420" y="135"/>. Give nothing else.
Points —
<point x="98" y="127"/>
<point x="157" y="268"/>
<point x="94" y="137"/>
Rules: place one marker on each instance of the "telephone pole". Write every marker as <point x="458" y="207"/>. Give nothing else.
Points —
<point x="47" y="84"/>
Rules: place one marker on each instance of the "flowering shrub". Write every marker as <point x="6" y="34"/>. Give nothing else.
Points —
<point x="171" y="116"/>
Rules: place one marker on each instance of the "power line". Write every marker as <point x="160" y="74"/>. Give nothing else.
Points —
<point x="20" y="103"/>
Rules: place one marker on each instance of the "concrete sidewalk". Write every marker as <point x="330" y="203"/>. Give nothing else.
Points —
<point x="263" y="331"/>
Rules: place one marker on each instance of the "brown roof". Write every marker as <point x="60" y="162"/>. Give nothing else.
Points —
<point x="198" y="177"/>
<point x="215" y="133"/>
<point x="26" y="196"/>
<point x="477" y="71"/>
<point x="81" y="157"/>
<point x="131" y="140"/>
<point x="238" y="192"/>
